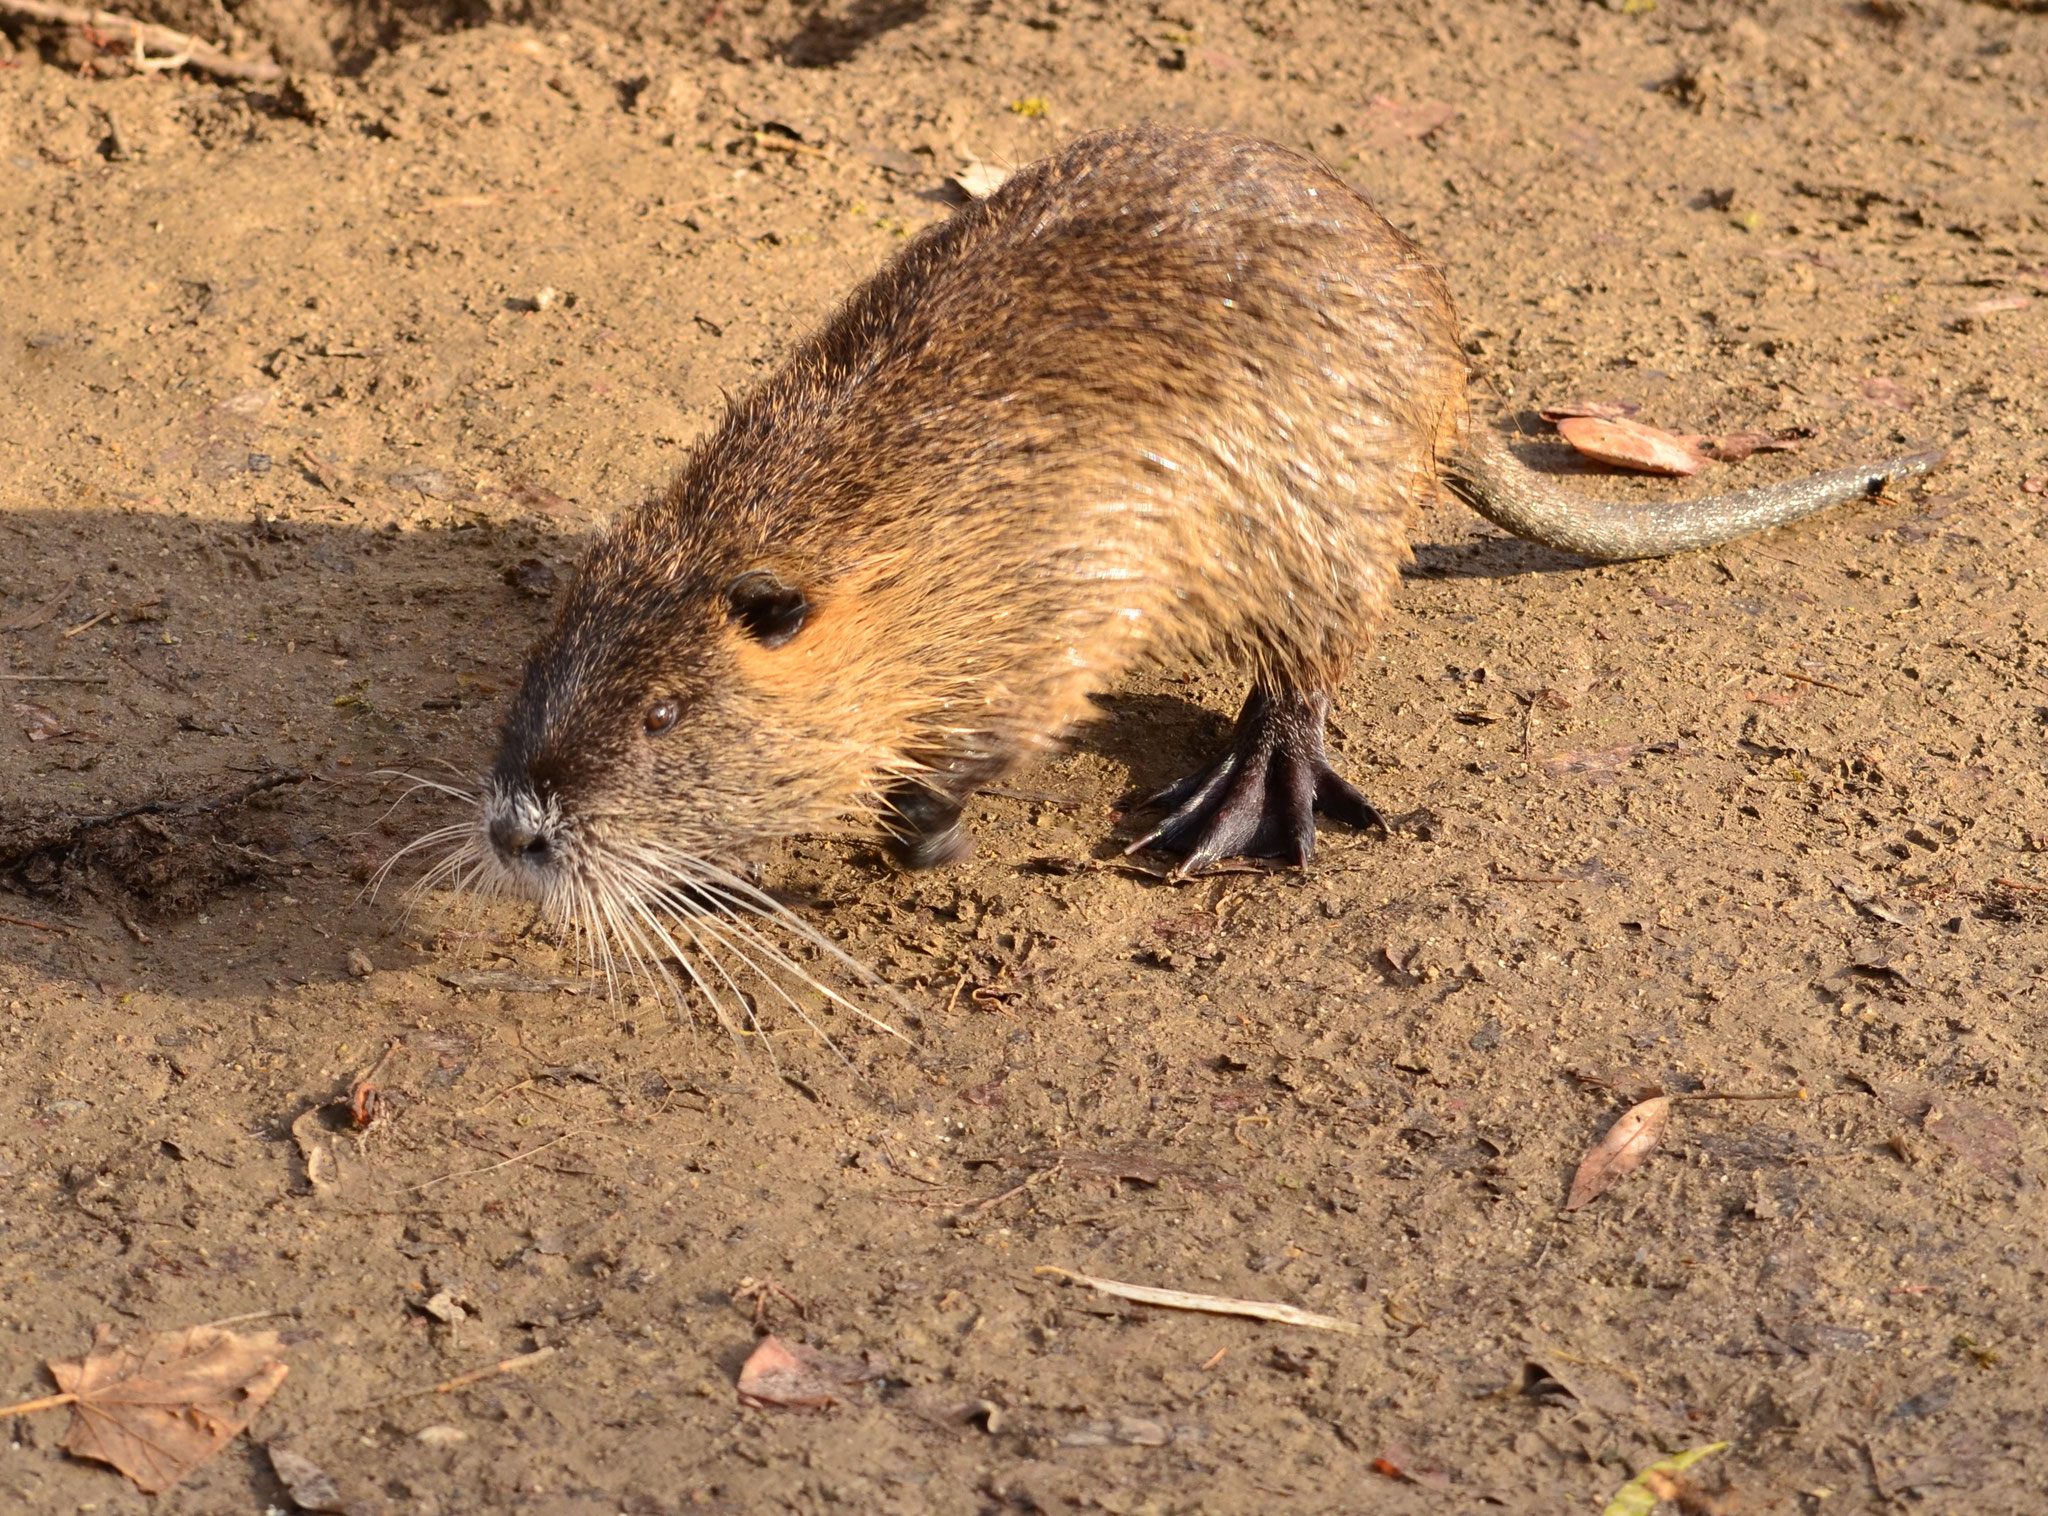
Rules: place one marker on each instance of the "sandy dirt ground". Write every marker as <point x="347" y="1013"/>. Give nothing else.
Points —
<point x="310" y="394"/>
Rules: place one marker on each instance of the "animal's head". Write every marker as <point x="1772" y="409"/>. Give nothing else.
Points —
<point x="683" y="708"/>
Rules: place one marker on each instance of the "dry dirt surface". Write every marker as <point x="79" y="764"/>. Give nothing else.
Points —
<point x="313" y="391"/>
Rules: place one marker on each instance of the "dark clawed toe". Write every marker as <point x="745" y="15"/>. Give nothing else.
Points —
<point x="1260" y="801"/>
<point x="926" y="831"/>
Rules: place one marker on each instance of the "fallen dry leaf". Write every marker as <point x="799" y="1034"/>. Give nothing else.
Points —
<point x="1391" y="121"/>
<point x="1621" y="1152"/>
<point x="1631" y="444"/>
<point x="780" y="1373"/>
<point x="309" y="1131"/>
<point x="1397" y="1463"/>
<point x="1889" y="393"/>
<point x="158" y="1410"/>
<point x="1733" y="447"/>
<point x="1987" y="1141"/>
<point x="1598" y="410"/>
<point x="43" y="723"/>
<point x="307" y="1483"/>
<point x="1599" y="765"/>
<point x="980" y="179"/>
<point x="2012" y="300"/>
<point x="28" y="621"/>
<point x="1639" y="1497"/>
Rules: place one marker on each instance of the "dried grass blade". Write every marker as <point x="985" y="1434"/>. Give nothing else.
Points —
<point x="1215" y="1305"/>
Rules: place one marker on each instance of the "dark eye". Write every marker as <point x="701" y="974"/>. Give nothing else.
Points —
<point x="661" y="716"/>
<point x="771" y="611"/>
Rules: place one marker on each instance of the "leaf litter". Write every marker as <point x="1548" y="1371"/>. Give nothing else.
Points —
<point x="1659" y="1482"/>
<point x="159" y="1409"/>
<point x="1606" y="431"/>
<point x="1633" y="1138"/>
<point x="1621" y="1152"/>
<point x="309" y="1486"/>
<point x="792" y="1376"/>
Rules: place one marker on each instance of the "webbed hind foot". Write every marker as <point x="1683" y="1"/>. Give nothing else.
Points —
<point x="1260" y="800"/>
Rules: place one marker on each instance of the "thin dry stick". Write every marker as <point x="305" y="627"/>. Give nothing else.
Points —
<point x="1799" y="1094"/>
<point x="462" y="1381"/>
<point x="52" y="678"/>
<point x="492" y="1167"/>
<point x="1809" y="679"/>
<point x="183" y="50"/>
<point x="1216" y="1305"/>
<point x="41" y="926"/>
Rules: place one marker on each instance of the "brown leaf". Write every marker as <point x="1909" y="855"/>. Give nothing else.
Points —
<point x="1984" y="1139"/>
<point x="1617" y="1155"/>
<point x="1397" y="1463"/>
<point x="43" y="723"/>
<point x="28" y="621"/>
<point x="530" y="576"/>
<point x="1631" y="444"/>
<point x="1889" y="393"/>
<point x="1599" y="765"/>
<point x="1599" y="410"/>
<point x="159" y="1410"/>
<point x="1390" y="121"/>
<point x="307" y="1483"/>
<point x="1733" y="447"/>
<point x="780" y="1373"/>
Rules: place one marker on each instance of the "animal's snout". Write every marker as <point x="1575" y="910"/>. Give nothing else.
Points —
<point x="519" y="839"/>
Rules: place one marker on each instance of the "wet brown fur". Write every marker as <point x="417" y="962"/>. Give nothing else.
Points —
<point x="1162" y="395"/>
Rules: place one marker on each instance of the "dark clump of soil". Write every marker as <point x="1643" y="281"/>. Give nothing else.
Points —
<point x="316" y="390"/>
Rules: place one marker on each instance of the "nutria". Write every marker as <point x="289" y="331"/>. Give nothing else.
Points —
<point x="1165" y="394"/>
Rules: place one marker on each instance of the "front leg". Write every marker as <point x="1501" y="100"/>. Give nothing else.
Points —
<point x="924" y="814"/>
<point x="1260" y="799"/>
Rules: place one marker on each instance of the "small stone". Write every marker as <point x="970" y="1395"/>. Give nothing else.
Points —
<point x="441" y="1436"/>
<point x="359" y="965"/>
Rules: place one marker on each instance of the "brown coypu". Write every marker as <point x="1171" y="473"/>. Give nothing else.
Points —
<point x="1164" y="394"/>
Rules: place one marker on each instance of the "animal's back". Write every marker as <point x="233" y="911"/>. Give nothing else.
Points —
<point x="1163" y="392"/>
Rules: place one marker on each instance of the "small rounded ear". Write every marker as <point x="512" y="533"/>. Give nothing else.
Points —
<point x="771" y="611"/>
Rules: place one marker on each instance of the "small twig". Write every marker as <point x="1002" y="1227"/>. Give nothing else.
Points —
<point x="1217" y="1305"/>
<point x="43" y="612"/>
<point x="461" y="1381"/>
<point x="41" y="926"/>
<point x="1016" y="1189"/>
<point x="53" y="678"/>
<point x="1807" y="679"/>
<point x="183" y="50"/>
<point x="760" y="1291"/>
<point x="228" y="1321"/>
<point x="492" y="1167"/>
<point x="2014" y="884"/>
<point x="509" y="1089"/>
<point x="162" y="682"/>
<point x="774" y="142"/>
<point x="86" y="626"/>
